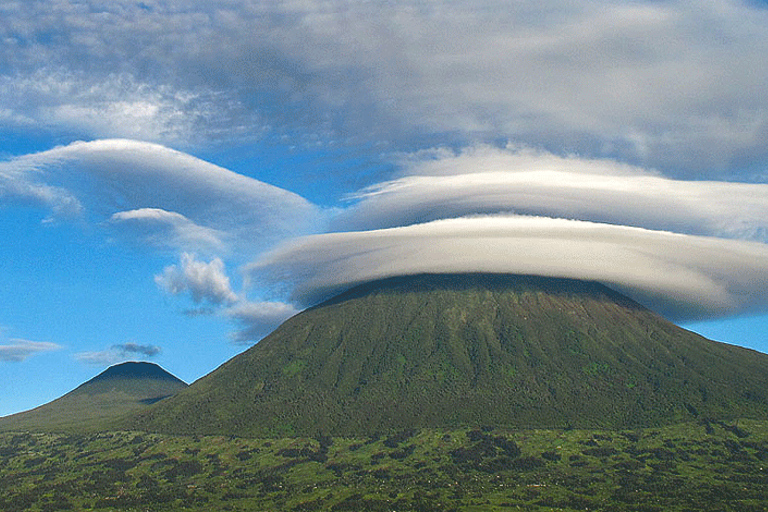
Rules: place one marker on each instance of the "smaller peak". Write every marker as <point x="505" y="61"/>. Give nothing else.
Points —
<point x="135" y="370"/>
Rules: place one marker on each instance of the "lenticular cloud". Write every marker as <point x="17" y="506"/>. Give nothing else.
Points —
<point x="689" y="250"/>
<point x="491" y="181"/>
<point x="145" y="185"/>
<point x="681" y="276"/>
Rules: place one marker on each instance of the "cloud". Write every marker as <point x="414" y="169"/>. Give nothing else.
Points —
<point x="674" y="85"/>
<point x="668" y="84"/>
<point x="144" y="350"/>
<point x="680" y="276"/>
<point x="487" y="180"/>
<point x="204" y="281"/>
<point x="687" y="249"/>
<point x="117" y="353"/>
<point x="258" y="318"/>
<point x="207" y="282"/>
<point x="106" y="105"/>
<point x="20" y="350"/>
<point x="169" y="229"/>
<point x="145" y="185"/>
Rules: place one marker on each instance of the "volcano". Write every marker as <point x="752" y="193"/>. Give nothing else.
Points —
<point x="433" y="351"/>
<point x="118" y="391"/>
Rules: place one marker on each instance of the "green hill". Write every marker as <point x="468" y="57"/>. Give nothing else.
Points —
<point x="469" y="350"/>
<point x="95" y="405"/>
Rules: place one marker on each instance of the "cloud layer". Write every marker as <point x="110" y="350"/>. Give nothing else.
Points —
<point x="687" y="249"/>
<point x="673" y="84"/>
<point x="681" y="276"/>
<point x="487" y="180"/>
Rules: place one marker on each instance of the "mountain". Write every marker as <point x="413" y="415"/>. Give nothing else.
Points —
<point x="450" y="350"/>
<point x="119" y="390"/>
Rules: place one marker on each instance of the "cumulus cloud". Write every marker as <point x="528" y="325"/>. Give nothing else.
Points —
<point x="145" y="185"/>
<point x="668" y="84"/>
<point x="206" y="282"/>
<point x="117" y="353"/>
<point x="681" y="276"/>
<point x="19" y="350"/>
<point x="487" y="180"/>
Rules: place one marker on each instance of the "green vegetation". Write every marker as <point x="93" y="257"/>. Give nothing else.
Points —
<point x="373" y="402"/>
<point x="97" y="404"/>
<point x="686" y="467"/>
<point x="461" y="350"/>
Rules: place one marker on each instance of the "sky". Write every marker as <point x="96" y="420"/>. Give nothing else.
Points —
<point x="179" y="177"/>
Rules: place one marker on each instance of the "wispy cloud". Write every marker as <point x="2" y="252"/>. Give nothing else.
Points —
<point x="142" y="186"/>
<point x="18" y="350"/>
<point x="134" y="348"/>
<point x="108" y="105"/>
<point x="117" y="354"/>
<point x="161" y="228"/>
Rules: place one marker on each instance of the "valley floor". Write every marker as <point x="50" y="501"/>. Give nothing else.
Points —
<point x="690" y="467"/>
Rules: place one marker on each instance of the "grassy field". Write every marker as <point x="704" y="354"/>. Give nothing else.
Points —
<point x="688" y="467"/>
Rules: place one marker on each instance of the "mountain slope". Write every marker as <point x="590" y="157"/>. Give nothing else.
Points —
<point x="95" y="405"/>
<point x="446" y="350"/>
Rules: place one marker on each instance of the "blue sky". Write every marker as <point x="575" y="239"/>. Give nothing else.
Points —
<point x="177" y="178"/>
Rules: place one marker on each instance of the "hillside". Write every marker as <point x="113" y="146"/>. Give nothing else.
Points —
<point x="469" y="350"/>
<point x="116" y="392"/>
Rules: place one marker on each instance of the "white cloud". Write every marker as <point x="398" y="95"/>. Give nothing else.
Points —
<point x="673" y="84"/>
<point x="130" y="180"/>
<point x="258" y="318"/>
<point x="681" y="276"/>
<point x="486" y="180"/>
<point x="170" y="229"/>
<point x="117" y="353"/>
<point x="204" y="281"/>
<point x="208" y="283"/>
<point x="20" y="350"/>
